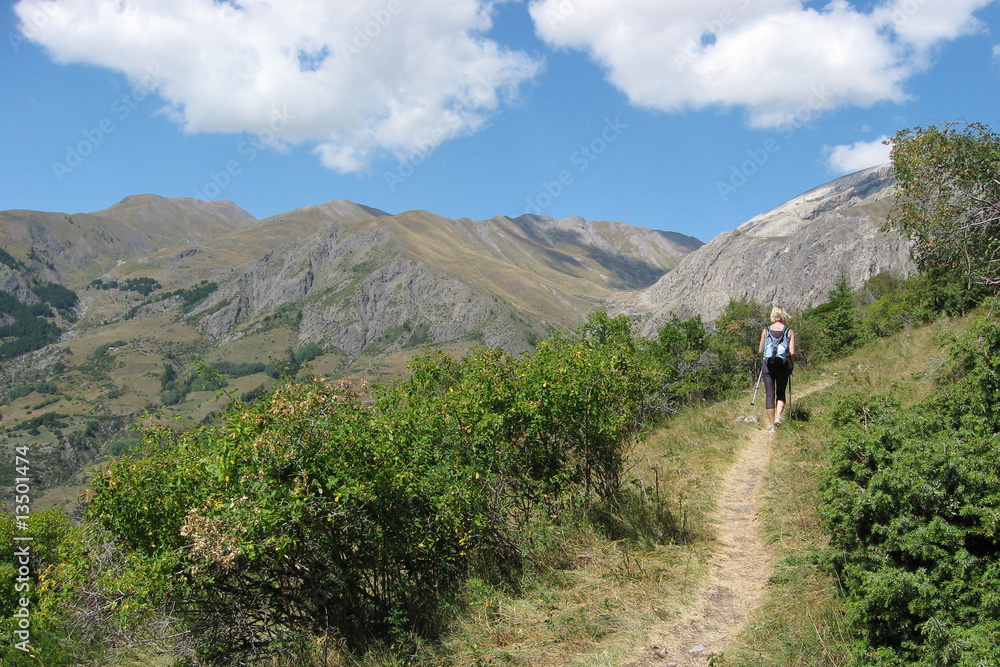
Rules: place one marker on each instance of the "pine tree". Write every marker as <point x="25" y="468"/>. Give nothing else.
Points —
<point x="841" y="325"/>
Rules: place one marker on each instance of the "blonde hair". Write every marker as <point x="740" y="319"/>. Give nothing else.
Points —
<point x="778" y="314"/>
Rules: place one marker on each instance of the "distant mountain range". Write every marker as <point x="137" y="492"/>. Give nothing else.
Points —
<point x="354" y="290"/>
<point x="350" y="273"/>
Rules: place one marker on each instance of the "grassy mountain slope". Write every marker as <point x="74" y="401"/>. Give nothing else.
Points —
<point x="75" y="249"/>
<point x="163" y="283"/>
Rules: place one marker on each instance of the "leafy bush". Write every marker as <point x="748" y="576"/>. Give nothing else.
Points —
<point x="84" y="597"/>
<point x="315" y="510"/>
<point x="695" y="363"/>
<point x="832" y="328"/>
<point x="302" y="512"/>
<point x="947" y="200"/>
<point x="47" y="621"/>
<point x="734" y="338"/>
<point x="916" y="515"/>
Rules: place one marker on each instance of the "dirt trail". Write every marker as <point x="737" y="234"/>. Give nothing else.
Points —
<point x="737" y="572"/>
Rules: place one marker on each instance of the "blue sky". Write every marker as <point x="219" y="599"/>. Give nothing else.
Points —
<point x="684" y="115"/>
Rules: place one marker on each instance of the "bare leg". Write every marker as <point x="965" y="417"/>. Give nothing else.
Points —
<point x="779" y="410"/>
<point x="770" y="416"/>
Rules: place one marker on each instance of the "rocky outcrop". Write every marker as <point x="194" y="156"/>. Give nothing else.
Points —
<point x="792" y="255"/>
<point x="363" y="280"/>
<point x="13" y="282"/>
<point x="348" y="276"/>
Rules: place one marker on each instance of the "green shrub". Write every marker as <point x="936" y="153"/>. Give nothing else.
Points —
<point x="313" y="510"/>
<point x="304" y="512"/>
<point x="913" y="507"/>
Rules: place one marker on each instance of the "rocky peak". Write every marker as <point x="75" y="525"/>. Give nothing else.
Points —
<point x="792" y="255"/>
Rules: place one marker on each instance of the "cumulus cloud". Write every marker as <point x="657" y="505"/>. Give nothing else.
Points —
<point x="356" y="79"/>
<point x="770" y="57"/>
<point x="860" y="155"/>
<point x="922" y="24"/>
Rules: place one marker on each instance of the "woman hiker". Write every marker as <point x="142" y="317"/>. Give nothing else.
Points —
<point x="777" y="365"/>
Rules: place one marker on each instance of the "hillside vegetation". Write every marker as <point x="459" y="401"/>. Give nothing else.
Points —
<point x="550" y="507"/>
<point x="217" y="541"/>
<point x="107" y="315"/>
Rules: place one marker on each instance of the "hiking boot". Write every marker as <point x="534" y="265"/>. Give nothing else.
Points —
<point x="771" y="428"/>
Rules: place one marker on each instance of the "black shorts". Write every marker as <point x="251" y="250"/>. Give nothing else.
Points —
<point x="775" y="383"/>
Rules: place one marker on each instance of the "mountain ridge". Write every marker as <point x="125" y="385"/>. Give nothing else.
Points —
<point x="550" y="271"/>
<point x="165" y="284"/>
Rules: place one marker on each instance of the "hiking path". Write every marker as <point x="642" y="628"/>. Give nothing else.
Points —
<point x="738" y="570"/>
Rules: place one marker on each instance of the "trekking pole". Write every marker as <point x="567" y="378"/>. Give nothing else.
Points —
<point x="752" y="400"/>
<point x="789" y="405"/>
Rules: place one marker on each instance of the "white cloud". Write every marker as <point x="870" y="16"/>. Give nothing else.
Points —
<point x="924" y="23"/>
<point x="358" y="79"/>
<point x="775" y="58"/>
<point x="846" y="159"/>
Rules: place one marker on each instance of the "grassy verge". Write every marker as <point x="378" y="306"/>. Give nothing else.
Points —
<point x="592" y="600"/>
<point x="596" y="607"/>
<point x="802" y="622"/>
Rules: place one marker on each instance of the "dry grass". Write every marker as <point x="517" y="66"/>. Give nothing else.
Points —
<point x="599" y="607"/>
<point x="599" y="612"/>
<point x="801" y="622"/>
<point x="594" y="614"/>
